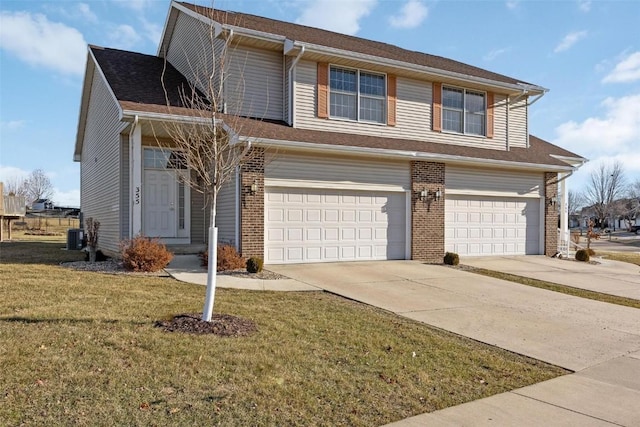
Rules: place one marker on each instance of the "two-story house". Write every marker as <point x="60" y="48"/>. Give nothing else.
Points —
<point x="369" y="151"/>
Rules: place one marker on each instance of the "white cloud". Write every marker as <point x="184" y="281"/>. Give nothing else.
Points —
<point x="124" y="37"/>
<point x="627" y="70"/>
<point x="13" y="124"/>
<point x="85" y="12"/>
<point x="410" y="15"/>
<point x="512" y="4"/>
<point x="136" y="5"/>
<point x="11" y="172"/>
<point x="152" y="31"/>
<point x="342" y="17"/>
<point x="614" y="136"/>
<point x="494" y="54"/>
<point x="584" y="5"/>
<point x="39" y="42"/>
<point x="69" y="198"/>
<point x="569" y="40"/>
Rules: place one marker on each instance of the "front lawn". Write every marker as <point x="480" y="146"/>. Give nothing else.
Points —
<point x="80" y="348"/>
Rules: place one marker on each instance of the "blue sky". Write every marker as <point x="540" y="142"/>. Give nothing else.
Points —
<point x="586" y="52"/>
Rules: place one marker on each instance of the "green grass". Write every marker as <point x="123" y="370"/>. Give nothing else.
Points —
<point x="569" y="290"/>
<point x="80" y="348"/>
<point x="630" y="257"/>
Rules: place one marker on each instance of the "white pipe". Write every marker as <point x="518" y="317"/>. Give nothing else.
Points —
<point x="507" y="130"/>
<point x="292" y="99"/>
<point x="131" y="174"/>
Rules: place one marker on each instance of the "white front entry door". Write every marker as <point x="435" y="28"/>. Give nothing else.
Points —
<point x="313" y="225"/>
<point x="160" y="203"/>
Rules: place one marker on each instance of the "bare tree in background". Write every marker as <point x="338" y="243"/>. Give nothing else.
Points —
<point x="16" y="186"/>
<point x="206" y="142"/>
<point x="606" y="184"/>
<point x="38" y="186"/>
<point x="634" y="202"/>
<point x="575" y="200"/>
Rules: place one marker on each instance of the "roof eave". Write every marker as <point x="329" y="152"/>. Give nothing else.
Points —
<point x="402" y="154"/>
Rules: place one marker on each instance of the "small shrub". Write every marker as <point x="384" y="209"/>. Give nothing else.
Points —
<point x="582" y="255"/>
<point x="591" y="252"/>
<point x="254" y="264"/>
<point x="229" y="258"/>
<point x="100" y="256"/>
<point x="144" y="254"/>
<point x="451" y="258"/>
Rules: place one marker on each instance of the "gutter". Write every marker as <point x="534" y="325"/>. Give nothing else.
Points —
<point x="400" y="154"/>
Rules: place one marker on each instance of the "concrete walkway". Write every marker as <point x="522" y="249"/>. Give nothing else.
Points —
<point x="186" y="268"/>
<point x="609" y="277"/>
<point x="600" y="341"/>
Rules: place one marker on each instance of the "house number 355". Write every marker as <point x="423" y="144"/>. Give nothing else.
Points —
<point x="137" y="196"/>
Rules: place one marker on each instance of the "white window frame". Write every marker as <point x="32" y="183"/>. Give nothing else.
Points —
<point x="464" y="111"/>
<point x="359" y="95"/>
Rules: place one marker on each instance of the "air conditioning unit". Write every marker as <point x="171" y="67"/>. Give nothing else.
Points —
<point x="74" y="239"/>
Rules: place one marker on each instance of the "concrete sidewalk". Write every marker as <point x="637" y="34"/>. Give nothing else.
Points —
<point x="609" y="277"/>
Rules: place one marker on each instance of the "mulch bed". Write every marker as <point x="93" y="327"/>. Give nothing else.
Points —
<point x="223" y="325"/>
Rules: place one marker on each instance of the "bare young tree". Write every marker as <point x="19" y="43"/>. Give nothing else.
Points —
<point x="606" y="184"/>
<point x="38" y="186"/>
<point x="206" y="139"/>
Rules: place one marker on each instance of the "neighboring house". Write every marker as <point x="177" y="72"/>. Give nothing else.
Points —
<point x="42" y="205"/>
<point x="380" y="152"/>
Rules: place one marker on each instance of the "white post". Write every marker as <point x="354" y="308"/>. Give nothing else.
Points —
<point x="136" y="167"/>
<point x="564" y="217"/>
<point x="207" y="312"/>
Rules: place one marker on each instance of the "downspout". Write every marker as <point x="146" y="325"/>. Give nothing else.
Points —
<point x="224" y="86"/>
<point x="292" y="98"/>
<point x="131" y="167"/>
<point x="507" y="131"/>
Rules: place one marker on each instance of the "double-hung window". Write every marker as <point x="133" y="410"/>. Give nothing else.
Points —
<point x="463" y="111"/>
<point x="357" y="95"/>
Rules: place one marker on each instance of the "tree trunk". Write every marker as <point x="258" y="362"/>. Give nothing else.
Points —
<point x="92" y="254"/>
<point x="207" y="311"/>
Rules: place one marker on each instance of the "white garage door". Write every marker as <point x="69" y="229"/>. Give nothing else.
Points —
<point x="308" y="225"/>
<point x="477" y="225"/>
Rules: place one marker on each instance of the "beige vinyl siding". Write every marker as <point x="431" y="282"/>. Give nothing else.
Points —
<point x="226" y="212"/>
<point x="518" y="130"/>
<point x="253" y="83"/>
<point x="190" y="50"/>
<point x="492" y="182"/>
<point x="414" y="99"/>
<point x="100" y="166"/>
<point x="125" y="192"/>
<point x="297" y="170"/>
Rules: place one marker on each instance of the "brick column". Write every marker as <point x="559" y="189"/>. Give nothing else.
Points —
<point x="550" y="214"/>
<point x="252" y="206"/>
<point x="427" y="217"/>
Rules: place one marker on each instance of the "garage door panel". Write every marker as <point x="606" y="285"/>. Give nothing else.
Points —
<point x="483" y="225"/>
<point x="338" y="225"/>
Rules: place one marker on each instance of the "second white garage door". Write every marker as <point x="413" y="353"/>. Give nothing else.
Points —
<point x="478" y="225"/>
<point x="309" y="225"/>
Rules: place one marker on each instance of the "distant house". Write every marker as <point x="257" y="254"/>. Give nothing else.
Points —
<point x="42" y="205"/>
<point x="382" y="152"/>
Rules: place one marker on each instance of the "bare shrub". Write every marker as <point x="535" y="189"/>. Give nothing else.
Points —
<point x="144" y="254"/>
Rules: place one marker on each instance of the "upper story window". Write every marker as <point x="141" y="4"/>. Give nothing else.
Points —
<point x="357" y="95"/>
<point x="463" y="111"/>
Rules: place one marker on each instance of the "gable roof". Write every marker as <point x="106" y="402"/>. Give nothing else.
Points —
<point x="136" y="81"/>
<point x="330" y="39"/>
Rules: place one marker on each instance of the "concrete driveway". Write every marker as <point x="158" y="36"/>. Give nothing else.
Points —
<point x="600" y="341"/>
<point x="609" y="277"/>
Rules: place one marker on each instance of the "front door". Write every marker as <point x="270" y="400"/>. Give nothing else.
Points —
<point x="160" y="211"/>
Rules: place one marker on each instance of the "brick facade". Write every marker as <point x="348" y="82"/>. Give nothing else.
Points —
<point x="427" y="217"/>
<point x="252" y="206"/>
<point x="550" y="214"/>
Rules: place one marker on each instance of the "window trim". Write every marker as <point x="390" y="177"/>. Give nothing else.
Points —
<point x="464" y="111"/>
<point x="384" y="98"/>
